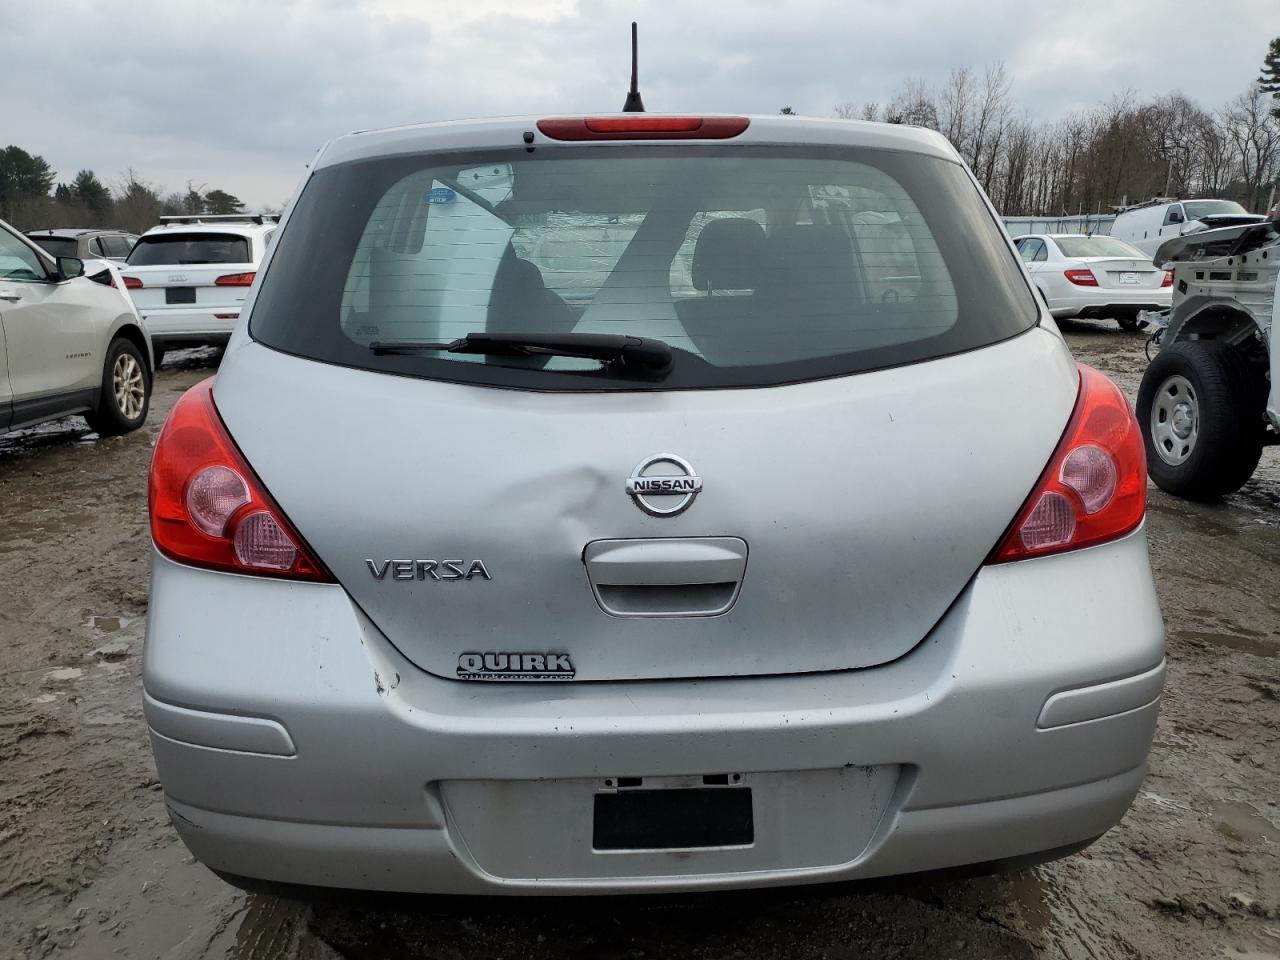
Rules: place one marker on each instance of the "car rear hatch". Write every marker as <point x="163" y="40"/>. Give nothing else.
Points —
<point x="844" y="434"/>
<point x="1121" y="273"/>
<point x="194" y="271"/>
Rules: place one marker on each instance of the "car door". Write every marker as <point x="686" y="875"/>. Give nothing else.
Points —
<point x="6" y="395"/>
<point x="50" y="336"/>
<point x="1174" y="218"/>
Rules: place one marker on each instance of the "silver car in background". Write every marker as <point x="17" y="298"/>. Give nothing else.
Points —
<point x="643" y="503"/>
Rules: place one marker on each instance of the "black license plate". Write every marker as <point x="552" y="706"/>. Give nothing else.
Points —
<point x="673" y="819"/>
<point x="180" y="295"/>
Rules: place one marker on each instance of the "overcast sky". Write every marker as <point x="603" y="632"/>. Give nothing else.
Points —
<point x="238" y="94"/>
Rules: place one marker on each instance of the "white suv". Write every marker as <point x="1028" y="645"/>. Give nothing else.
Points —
<point x="68" y="343"/>
<point x="190" y="275"/>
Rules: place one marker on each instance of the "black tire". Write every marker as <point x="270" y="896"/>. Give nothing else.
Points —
<point x="111" y="417"/>
<point x="1226" y="398"/>
<point x="1128" y="323"/>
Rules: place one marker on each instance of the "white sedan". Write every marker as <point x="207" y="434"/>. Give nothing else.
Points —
<point x="1094" y="277"/>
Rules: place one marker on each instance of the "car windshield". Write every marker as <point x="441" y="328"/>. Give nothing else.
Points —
<point x="1097" y="247"/>
<point x="172" y="249"/>
<point x="1208" y="208"/>
<point x="756" y="265"/>
<point x="56" y="246"/>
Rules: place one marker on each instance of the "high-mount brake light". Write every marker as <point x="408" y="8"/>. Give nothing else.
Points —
<point x="132" y="283"/>
<point x="209" y="509"/>
<point x="643" y="126"/>
<point x="1081" y="278"/>
<point x="1095" y="486"/>
<point x="235" y="280"/>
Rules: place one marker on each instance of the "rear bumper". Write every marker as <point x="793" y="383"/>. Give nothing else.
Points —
<point x="296" y="745"/>
<point x="1109" y="303"/>
<point x="182" y="327"/>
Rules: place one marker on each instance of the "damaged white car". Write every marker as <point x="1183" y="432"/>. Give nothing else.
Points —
<point x="1208" y="401"/>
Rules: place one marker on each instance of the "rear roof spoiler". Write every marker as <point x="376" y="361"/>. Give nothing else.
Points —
<point x="222" y="218"/>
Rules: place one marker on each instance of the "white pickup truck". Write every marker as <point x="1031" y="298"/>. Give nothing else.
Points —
<point x="1209" y="401"/>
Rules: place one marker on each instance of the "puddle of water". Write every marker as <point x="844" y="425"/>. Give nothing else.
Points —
<point x="1245" y="644"/>
<point x="64" y="673"/>
<point x="105" y="624"/>
<point x="1242" y="821"/>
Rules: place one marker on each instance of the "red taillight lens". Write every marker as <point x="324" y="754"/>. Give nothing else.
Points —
<point x="1168" y="279"/>
<point x="1095" y="486"/>
<point x="1081" y="278"/>
<point x="643" y="126"/>
<point x="209" y="509"/>
<point x="132" y="283"/>
<point x="235" y="280"/>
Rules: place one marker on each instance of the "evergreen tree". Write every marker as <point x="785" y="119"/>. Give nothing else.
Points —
<point x="219" y="201"/>
<point x="23" y="176"/>
<point x="1270" y="79"/>
<point x="91" y="191"/>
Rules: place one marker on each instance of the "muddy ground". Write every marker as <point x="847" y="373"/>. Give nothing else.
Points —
<point x="89" y="867"/>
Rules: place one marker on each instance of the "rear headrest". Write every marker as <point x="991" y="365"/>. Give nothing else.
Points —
<point x="728" y="254"/>
<point x="811" y="264"/>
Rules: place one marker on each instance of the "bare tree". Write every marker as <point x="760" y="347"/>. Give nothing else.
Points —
<point x="1254" y="139"/>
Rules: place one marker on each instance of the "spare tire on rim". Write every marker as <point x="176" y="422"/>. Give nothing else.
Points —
<point x="1200" y="406"/>
<point x="126" y="390"/>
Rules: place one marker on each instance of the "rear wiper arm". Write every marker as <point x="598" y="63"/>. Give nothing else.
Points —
<point x="637" y="356"/>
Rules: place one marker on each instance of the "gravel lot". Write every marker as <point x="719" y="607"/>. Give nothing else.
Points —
<point x="89" y="867"/>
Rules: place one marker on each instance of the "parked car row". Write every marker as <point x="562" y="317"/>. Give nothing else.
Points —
<point x="188" y="276"/>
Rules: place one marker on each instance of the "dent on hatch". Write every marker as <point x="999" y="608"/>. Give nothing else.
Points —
<point x="568" y="495"/>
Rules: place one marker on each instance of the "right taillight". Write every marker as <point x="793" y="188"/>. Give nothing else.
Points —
<point x="1095" y="486"/>
<point x="132" y="283"/>
<point x="209" y="509"/>
<point x="235" y="280"/>
<point x="1168" y="279"/>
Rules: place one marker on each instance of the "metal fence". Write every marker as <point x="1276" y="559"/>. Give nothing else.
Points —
<point x="1089" y="223"/>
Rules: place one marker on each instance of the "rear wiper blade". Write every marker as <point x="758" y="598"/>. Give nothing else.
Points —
<point x="637" y="356"/>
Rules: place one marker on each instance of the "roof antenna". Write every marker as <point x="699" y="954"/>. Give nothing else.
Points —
<point x="634" y="104"/>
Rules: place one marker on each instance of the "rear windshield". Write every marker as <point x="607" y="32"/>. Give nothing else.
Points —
<point x="1097" y="247"/>
<point x="1210" y="208"/>
<point x="56" y="246"/>
<point x="757" y="265"/>
<point x="167" y="249"/>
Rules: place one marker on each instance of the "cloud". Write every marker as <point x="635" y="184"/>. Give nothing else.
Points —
<point x="239" y="94"/>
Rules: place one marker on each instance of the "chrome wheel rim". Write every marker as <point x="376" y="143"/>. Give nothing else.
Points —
<point x="1175" y="420"/>
<point x="129" y="386"/>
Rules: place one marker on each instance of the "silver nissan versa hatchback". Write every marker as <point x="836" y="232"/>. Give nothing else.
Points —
<point x="642" y="503"/>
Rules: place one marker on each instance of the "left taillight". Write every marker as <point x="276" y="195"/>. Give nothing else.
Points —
<point x="235" y="280"/>
<point x="1081" y="278"/>
<point x="209" y="509"/>
<point x="132" y="283"/>
<point x="1095" y="486"/>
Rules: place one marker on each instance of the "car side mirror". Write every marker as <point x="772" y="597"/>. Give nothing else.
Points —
<point x="70" y="267"/>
